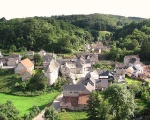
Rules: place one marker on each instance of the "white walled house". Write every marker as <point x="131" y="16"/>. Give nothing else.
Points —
<point x="51" y="71"/>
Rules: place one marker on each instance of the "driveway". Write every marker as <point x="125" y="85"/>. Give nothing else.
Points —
<point x="55" y="104"/>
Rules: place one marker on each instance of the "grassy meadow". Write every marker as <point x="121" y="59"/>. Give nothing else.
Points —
<point x="24" y="104"/>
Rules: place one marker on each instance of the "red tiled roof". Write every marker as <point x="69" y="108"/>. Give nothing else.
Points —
<point x="27" y="63"/>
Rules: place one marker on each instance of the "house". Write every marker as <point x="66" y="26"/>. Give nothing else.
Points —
<point x="119" y="73"/>
<point x="130" y="60"/>
<point x="1" y="64"/>
<point x="146" y="73"/>
<point x="135" y="71"/>
<point x="24" y="68"/>
<point x="15" y="56"/>
<point x="97" y="50"/>
<point x="12" y="62"/>
<point x="42" y="52"/>
<point x="47" y="58"/>
<point x="102" y="81"/>
<point x="51" y="71"/>
<point x="87" y="48"/>
<point x="30" y="54"/>
<point x="93" y="58"/>
<point x="75" y="97"/>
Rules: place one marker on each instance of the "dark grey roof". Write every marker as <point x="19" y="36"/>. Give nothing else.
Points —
<point x="103" y="72"/>
<point x="90" y="80"/>
<point x="74" y="87"/>
<point x="132" y="60"/>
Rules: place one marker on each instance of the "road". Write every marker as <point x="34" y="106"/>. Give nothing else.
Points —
<point x="55" y="104"/>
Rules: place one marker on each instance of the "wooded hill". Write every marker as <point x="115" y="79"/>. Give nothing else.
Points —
<point x="59" y="34"/>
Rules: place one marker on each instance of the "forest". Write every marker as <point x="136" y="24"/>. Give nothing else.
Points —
<point x="65" y="34"/>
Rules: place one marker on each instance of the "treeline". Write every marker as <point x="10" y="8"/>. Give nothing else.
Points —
<point x="36" y="33"/>
<point x="132" y="39"/>
<point x="99" y="22"/>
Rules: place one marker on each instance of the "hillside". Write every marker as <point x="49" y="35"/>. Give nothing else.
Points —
<point x="99" y="22"/>
<point x="36" y="33"/>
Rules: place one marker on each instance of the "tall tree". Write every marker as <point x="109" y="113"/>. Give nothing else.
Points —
<point x="93" y="106"/>
<point x="122" y="101"/>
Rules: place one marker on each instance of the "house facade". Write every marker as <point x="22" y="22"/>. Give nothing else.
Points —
<point x="75" y="97"/>
<point x="51" y="71"/>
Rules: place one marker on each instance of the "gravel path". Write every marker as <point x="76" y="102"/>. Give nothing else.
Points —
<point x="55" y="104"/>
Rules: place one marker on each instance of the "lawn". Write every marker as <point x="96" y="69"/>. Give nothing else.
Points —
<point x="132" y="81"/>
<point x="24" y="104"/>
<point x="72" y="115"/>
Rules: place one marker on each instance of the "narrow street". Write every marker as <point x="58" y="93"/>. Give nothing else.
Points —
<point x="55" y="104"/>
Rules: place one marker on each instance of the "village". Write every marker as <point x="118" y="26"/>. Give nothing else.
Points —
<point x="79" y="71"/>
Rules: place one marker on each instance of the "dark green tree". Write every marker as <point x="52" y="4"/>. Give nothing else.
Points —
<point x="51" y="114"/>
<point x="93" y="105"/>
<point x="38" y="59"/>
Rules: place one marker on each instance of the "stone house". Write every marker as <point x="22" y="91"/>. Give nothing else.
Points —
<point x="135" y="71"/>
<point x="30" y="54"/>
<point x="130" y="60"/>
<point x="97" y="50"/>
<point x="42" y="52"/>
<point x="12" y="62"/>
<point x="51" y="71"/>
<point x="102" y="81"/>
<point x="24" y="68"/>
<point x="15" y="56"/>
<point x="75" y="97"/>
<point x="119" y="72"/>
<point x="92" y="58"/>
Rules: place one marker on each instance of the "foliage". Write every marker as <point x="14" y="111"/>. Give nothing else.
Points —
<point x="51" y="114"/>
<point x="121" y="100"/>
<point x="37" y="82"/>
<point x="38" y="60"/>
<point x="34" y="112"/>
<point x="24" y="103"/>
<point x="103" y="65"/>
<point x="38" y="33"/>
<point x="8" y="111"/>
<point x="93" y="104"/>
<point x="60" y="82"/>
<point x="25" y="56"/>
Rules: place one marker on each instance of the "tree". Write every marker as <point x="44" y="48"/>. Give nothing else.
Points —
<point x="8" y="111"/>
<point x="25" y="56"/>
<point x="104" y="111"/>
<point x="93" y="105"/>
<point x="121" y="100"/>
<point x="38" y="59"/>
<point x="51" y="114"/>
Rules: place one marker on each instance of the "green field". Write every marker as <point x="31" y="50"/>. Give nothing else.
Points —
<point x="24" y="104"/>
<point x="72" y="116"/>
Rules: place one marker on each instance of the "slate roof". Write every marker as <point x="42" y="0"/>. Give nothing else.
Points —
<point x="80" y="87"/>
<point x="52" y="66"/>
